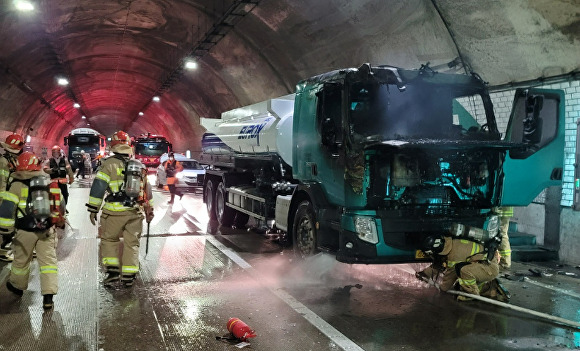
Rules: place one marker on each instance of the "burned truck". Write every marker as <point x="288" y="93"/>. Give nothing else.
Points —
<point x="367" y="162"/>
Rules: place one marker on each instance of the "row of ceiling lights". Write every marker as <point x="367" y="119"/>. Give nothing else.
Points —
<point x="25" y="5"/>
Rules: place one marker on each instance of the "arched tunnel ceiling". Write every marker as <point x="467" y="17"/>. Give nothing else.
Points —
<point x="117" y="54"/>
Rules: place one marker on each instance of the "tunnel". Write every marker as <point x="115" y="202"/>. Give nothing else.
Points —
<point x="162" y="67"/>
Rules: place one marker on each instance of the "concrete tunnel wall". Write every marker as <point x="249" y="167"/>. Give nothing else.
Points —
<point x="136" y="44"/>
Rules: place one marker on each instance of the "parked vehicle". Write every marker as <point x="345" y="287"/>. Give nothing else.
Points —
<point x="368" y="162"/>
<point x="188" y="180"/>
<point x="88" y="140"/>
<point x="149" y="147"/>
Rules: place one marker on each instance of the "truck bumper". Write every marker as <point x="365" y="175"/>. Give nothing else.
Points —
<point x="364" y="252"/>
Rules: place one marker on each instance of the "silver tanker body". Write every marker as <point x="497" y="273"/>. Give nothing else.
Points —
<point x="258" y="129"/>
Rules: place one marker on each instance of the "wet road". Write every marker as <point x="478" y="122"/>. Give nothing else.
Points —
<point x="191" y="283"/>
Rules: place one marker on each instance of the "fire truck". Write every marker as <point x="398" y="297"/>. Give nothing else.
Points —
<point x="149" y="148"/>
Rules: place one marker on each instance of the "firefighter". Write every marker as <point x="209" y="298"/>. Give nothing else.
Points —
<point x="12" y="147"/>
<point x="59" y="168"/>
<point x="505" y="250"/>
<point x="122" y="183"/>
<point x="466" y="263"/>
<point x="172" y="167"/>
<point x="30" y="208"/>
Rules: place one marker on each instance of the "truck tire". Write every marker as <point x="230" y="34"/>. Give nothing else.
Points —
<point x="241" y="220"/>
<point x="225" y="215"/>
<point x="304" y="230"/>
<point x="210" y="199"/>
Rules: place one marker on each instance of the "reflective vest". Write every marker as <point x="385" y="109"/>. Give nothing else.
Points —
<point x="110" y="180"/>
<point x="16" y="198"/>
<point x="61" y="166"/>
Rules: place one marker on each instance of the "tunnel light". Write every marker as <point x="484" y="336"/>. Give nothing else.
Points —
<point x="23" y="5"/>
<point x="156" y="98"/>
<point x="62" y="81"/>
<point x="28" y="138"/>
<point x="141" y="113"/>
<point x="76" y="105"/>
<point x="88" y="124"/>
<point x="188" y="154"/>
<point x="190" y="64"/>
<point x="84" y="117"/>
<point x="109" y="139"/>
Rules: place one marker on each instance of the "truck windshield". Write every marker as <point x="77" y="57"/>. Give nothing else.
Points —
<point x="421" y="111"/>
<point x="83" y="140"/>
<point x="151" y="148"/>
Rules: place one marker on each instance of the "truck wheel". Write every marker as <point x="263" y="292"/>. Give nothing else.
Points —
<point x="225" y="215"/>
<point x="241" y="220"/>
<point x="209" y="198"/>
<point x="304" y="230"/>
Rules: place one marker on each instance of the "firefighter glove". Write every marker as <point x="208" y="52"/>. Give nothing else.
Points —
<point x="149" y="214"/>
<point x="93" y="217"/>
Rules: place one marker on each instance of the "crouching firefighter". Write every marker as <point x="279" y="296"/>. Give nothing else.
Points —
<point x="122" y="183"/>
<point x="31" y="208"/>
<point x="472" y="265"/>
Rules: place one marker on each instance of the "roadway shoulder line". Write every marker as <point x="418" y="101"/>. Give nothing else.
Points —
<point x="333" y="334"/>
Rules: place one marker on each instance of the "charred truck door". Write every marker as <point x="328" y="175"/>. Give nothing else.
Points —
<point x="537" y="127"/>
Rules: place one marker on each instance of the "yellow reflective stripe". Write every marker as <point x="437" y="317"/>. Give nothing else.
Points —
<point x="473" y="249"/>
<point x="95" y="201"/>
<point x="111" y="261"/>
<point x="7" y="222"/>
<point x="151" y="202"/>
<point x="130" y="269"/>
<point x="48" y="269"/>
<point x="451" y="264"/>
<point x="4" y="173"/>
<point x="467" y="281"/>
<point x="120" y="171"/>
<point x="116" y="207"/>
<point x="24" y="192"/>
<point x="103" y="176"/>
<point x="55" y="190"/>
<point x="6" y="195"/>
<point x="505" y="253"/>
<point x="20" y="271"/>
<point x="115" y="185"/>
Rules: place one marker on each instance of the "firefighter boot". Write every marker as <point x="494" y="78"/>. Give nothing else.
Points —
<point x="47" y="303"/>
<point x="128" y="280"/>
<point x="111" y="278"/>
<point x="14" y="289"/>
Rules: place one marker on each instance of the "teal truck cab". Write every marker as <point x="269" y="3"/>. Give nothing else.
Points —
<point x="368" y="162"/>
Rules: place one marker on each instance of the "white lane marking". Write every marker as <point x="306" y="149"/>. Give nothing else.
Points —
<point x="334" y="335"/>
<point x="562" y="291"/>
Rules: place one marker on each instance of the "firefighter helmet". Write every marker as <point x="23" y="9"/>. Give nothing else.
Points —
<point x="433" y="244"/>
<point x="121" y="143"/>
<point x="27" y="161"/>
<point x="14" y="143"/>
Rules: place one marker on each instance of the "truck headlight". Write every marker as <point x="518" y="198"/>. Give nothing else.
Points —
<point x="366" y="229"/>
<point x="179" y="175"/>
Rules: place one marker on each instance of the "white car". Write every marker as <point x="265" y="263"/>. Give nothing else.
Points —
<point x="190" y="179"/>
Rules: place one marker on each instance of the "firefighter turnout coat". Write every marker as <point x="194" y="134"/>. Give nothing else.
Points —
<point x="467" y="264"/>
<point x="12" y="208"/>
<point x="120" y="217"/>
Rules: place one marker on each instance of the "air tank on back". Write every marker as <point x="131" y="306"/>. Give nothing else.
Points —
<point x="261" y="128"/>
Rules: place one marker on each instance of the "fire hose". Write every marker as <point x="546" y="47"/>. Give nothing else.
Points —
<point x="555" y="319"/>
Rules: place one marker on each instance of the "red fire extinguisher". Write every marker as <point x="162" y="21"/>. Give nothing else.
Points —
<point x="240" y="329"/>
